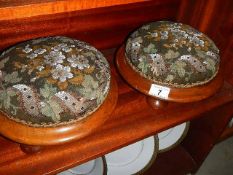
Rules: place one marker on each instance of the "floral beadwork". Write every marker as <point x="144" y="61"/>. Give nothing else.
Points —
<point x="52" y="81"/>
<point x="172" y="54"/>
<point x="61" y="73"/>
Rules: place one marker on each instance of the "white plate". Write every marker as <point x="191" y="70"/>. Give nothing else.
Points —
<point x="230" y="123"/>
<point x="133" y="158"/>
<point x="173" y="136"/>
<point x="93" y="167"/>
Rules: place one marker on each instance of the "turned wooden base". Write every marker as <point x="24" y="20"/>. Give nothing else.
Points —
<point x="30" y="149"/>
<point x="156" y="103"/>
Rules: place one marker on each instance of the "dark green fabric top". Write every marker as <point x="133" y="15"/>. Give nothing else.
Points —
<point x="172" y="54"/>
<point x="52" y="81"/>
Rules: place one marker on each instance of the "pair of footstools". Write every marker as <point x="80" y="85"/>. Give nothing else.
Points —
<point x="56" y="89"/>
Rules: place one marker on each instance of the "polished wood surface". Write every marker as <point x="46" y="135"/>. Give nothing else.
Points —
<point x="61" y="134"/>
<point x="183" y="95"/>
<point x="214" y="18"/>
<point x="156" y="103"/>
<point x="30" y="149"/>
<point x="173" y="162"/>
<point x="205" y="131"/>
<point x="12" y="9"/>
<point x="228" y="132"/>
<point x="102" y="27"/>
<point x="107" y="27"/>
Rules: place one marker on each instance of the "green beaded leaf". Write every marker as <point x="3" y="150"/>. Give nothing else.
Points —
<point x="201" y="54"/>
<point x="171" y="54"/>
<point x="210" y="64"/>
<point x="52" y="109"/>
<point x="3" y="62"/>
<point x="150" y="49"/>
<point x="170" y="78"/>
<point x="178" y="67"/>
<point x="143" y="65"/>
<point x="89" y="82"/>
<point x="90" y="87"/>
<point x="48" y="91"/>
<point x="5" y="99"/>
<point x="12" y="78"/>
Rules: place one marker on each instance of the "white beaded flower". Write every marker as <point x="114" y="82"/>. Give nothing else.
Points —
<point x="54" y="58"/>
<point x="78" y="61"/>
<point x="27" y="49"/>
<point x="62" y="73"/>
<point x="63" y="47"/>
<point x="39" y="51"/>
<point x="32" y="55"/>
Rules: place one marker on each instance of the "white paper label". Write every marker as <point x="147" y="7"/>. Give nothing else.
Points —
<point x="159" y="91"/>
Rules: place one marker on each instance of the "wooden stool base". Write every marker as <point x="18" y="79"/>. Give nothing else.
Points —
<point x="30" y="149"/>
<point x="156" y="103"/>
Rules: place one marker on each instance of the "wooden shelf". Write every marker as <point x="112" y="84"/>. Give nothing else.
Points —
<point x="131" y="121"/>
<point x="228" y="132"/>
<point x="204" y="132"/>
<point x="106" y="24"/>
<point x="13" y="9"/>
<point x="104" y="27"/>
<point x="164" y="165"/>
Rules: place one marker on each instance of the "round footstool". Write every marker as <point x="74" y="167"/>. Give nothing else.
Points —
<point x="170" y="61"/>
<point x="53" y="90"/>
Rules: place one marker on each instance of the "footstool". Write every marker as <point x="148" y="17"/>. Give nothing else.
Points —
<point x="53" y="90"/>
<point x="170" y="61"/>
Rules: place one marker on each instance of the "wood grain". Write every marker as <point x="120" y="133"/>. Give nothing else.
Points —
<point x="103" y="28"/>
<point x="207" y="129"/>
<point x="107" y="26"/>
<point x="164" y="165"/>
<point x="214" y="18"/>
<point x="228" y="132"/>
<point x="12" y="9"/>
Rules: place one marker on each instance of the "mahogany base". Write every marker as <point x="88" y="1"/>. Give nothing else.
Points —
<point x="30" y="149"/>
<point x="156" y="103"/>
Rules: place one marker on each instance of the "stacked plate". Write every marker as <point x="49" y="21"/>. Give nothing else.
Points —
<point x="134" y="158"/>
<point x="171" y="137"/>
<point x="230" y="123"/>
<point x="93" y="167"/>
